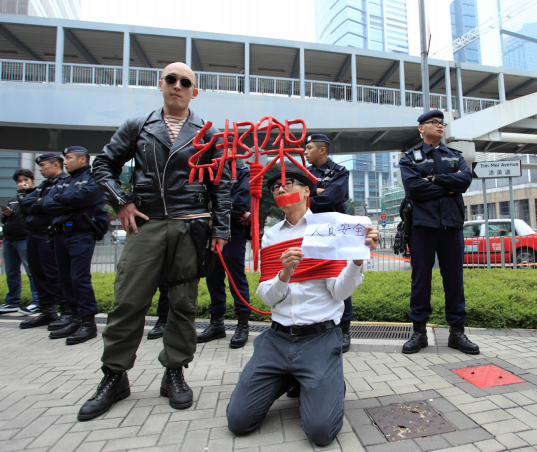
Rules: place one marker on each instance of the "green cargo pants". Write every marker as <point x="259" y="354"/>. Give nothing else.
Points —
<point x="158" y="241"/>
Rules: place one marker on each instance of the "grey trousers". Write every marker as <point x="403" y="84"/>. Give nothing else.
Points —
<point x="317" y="364"/>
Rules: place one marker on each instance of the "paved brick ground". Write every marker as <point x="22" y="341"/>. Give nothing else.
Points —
<point x="44" y="382"/>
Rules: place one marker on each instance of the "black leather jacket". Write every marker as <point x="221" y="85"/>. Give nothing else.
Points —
<point x="161" y="171"/>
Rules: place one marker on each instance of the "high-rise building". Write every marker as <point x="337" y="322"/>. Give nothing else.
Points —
<point x="463" y="19"/>
<point x="366" y="24"/>
<point x="61" y="9"/>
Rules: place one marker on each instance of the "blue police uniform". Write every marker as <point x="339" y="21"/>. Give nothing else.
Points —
<point x="438" y="218"/>
<point x="335" y="181"/>
<point x="233" y="253"/>
<point x="41" y="257"/>
<point x="74" y="240"/>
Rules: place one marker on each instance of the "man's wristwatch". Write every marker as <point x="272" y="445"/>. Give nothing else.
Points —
<point x="430" y="178"/>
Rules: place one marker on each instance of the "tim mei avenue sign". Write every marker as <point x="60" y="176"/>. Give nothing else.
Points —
<point x="502" y="168"/>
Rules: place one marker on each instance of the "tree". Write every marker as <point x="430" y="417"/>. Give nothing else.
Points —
<point x="351" y="204"/>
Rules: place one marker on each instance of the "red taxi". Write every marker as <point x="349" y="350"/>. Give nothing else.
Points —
<point x="475" y="250"/>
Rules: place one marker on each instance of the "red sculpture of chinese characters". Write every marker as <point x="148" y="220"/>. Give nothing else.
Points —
<point x="284" y="144"/>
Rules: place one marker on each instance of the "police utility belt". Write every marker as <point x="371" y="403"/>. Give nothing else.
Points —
<point x="70" y="227"/>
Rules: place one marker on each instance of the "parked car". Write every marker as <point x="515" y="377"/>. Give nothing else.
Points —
<point x="475" y="250"/>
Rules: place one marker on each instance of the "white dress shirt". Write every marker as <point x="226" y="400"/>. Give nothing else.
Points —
<point x="306" y="302"/>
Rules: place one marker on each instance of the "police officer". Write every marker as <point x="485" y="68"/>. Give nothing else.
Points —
<point x="41" y="258"/>
<point x="77" y="205"/>
<point x="233" y="255"/>
<point x="434" y="177"/>
<point x="329" y="195"/>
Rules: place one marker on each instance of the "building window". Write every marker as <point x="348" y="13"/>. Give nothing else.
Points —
<point x="522" y="209"/>
<point x="478" y="212"/>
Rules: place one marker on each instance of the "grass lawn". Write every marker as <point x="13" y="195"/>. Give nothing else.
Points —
<point x="494" y="298"/>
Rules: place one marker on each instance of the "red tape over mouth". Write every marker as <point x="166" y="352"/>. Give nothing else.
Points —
<point x="291" y="198"/>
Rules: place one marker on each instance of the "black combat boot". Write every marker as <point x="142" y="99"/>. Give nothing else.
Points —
<point x="87" y="331"/>
<point x="48" y="315"/>
<point x="418" y="339"/>
<point x="112" y="388"/>
<point x="215" y="330"/>
<point x="65" y="318"/>
<point x="457" y="339"/>
<point x="67" y="330"/>
<point x="174" y="387"/>
<point x="345" y="331"/>
<point x="241" y="332"/>
<point x="158" y="330"/>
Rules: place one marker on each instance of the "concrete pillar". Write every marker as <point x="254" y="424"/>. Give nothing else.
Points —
<point x="188" y="57"/>
<point x="302" y="74"/>
<point x="366" y="187"/>
<point x="353" y="79"/>
<point x="126" y="58"/>
<point x="351" y="187"/>
<point x="460" y="101"/>
<point x="379" y="189"/>
<point x="449" y="103"/>
<point x="501" y="87"/>
<point x="60" y="43"/>
<point x="246" y="67"/>
<point x="402" y="83"/>
<point x="467" y="148"/>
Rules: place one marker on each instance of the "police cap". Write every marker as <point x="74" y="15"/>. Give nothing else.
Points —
<point x="317" y="137"/>
<point x="431" y="114"/>
<point x="75" y="149"/>
<point x="292" y="172"/>
<point x="48" y="156"/>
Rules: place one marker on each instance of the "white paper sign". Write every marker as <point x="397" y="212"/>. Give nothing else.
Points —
<point x="336" y="236"/>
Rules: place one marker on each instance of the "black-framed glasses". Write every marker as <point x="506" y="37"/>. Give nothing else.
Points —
<point x="171" y="79"/>
<point x="288" y="185"/>
<point x="435" y="123"/>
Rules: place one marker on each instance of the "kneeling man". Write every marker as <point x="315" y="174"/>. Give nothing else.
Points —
<point x="304" y="342"/>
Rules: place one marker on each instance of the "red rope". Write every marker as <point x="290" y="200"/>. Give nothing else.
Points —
<point x="307" y="269"/>
<point x="256" y="187"/>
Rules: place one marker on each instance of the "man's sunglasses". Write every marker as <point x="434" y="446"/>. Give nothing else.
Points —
<point x="171" y="79"/>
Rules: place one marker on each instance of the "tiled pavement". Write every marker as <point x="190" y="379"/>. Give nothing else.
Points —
<point x="44" y="382"/>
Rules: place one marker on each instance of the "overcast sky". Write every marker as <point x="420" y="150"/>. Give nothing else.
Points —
<point x="280" y="19"/>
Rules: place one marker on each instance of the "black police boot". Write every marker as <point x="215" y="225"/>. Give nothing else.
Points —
<point x="48" y="315"/>
<point x="112" y="388"/>
<point x="418" y="339"/>
<point x="65" y="318"/>
<point x="87" y="331"/>
<point x="215" y="330"/>
<point x="345" y="331"/>
<point x="241" y="332"/>
<point x="457" y="339"/>
<point x="174" y="387"/>
<point x="67" y="330"/>
<point x="158" y="330"/>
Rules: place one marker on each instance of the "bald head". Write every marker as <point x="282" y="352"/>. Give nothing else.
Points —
<point x="180" y="69"/>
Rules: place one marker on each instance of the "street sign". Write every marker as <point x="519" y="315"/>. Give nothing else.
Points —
<point x="383" y="216"/>
<point x="383" y="224"/>
<point x="115" y="223"/>
<point x="498" y="169"/>
<point x="359" y="210"/>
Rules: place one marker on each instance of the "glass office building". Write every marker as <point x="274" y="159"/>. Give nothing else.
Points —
<point x="366" y="24"/>
<point x="61" y="9"/>
<point x="463" y="19"/>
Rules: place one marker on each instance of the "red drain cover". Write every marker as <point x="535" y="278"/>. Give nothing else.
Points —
<point x="487" y="376"/>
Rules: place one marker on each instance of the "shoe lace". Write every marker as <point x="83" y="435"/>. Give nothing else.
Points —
<point x="105" y="384"/>
<point x="177" y="379"/>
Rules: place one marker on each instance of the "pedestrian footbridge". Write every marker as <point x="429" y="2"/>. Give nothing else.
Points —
<point x="64" y="82"/>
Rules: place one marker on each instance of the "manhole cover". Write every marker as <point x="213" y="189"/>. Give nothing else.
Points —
<point x="487" y="376"/>
<point x="409" y="420"/>
<point x="381" y="331"/>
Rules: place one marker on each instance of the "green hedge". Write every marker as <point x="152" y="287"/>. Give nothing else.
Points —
<point x="494" y="298"/>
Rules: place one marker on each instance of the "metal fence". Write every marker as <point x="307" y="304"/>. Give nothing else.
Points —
<point x="330" y="91"/>
<point x="25" y="71"/>
<point x="106" y="256"/>
<point x="144" y="78"/>
<point x="274" y="86"/>
<point x="212" y="81"/>
<point x="501" y="252"/>
<point x="375" y="95"/>
<point x="83" y="74"/>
